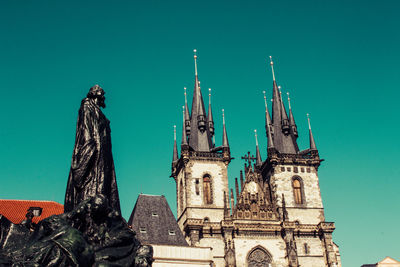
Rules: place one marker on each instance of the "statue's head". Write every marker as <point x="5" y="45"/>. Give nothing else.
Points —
<point x="97" y="93"/>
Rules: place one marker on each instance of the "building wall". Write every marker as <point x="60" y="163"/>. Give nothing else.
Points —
<point x="194" y="203"/>
<point x="311" y="211"/>
<point x="177" y="256"/>
<point x="314" y="256"/>
<point x="275" y="246"/>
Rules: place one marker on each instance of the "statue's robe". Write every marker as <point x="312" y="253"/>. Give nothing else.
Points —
<point x="92" y="168"/>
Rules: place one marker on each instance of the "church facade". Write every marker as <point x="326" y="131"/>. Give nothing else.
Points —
<point x="275" y="216"/>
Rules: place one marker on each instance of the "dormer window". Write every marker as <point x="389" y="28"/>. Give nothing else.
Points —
<point x="154" y="214"/>
<point x="142" y="230"/>
<point x="36" y="211"/>
<point x="171" y="232"/>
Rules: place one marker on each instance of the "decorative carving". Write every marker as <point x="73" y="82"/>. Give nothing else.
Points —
<point x="259" y="257"/>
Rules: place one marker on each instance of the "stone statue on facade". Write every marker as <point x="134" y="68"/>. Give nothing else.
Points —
<point x="92" y="168"/>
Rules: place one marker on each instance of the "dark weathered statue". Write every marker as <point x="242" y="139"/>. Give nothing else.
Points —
<point x="92" y="169"/>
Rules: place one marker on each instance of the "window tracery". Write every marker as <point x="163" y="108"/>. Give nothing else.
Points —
<point x="259" y="257"/>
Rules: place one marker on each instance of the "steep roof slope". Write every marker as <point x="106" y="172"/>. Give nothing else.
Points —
<point x="154" y="223"/>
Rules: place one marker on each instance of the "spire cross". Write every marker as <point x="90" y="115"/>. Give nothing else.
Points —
<point x="272" y="67"/>
<point x="209" y="96"/>
<point x="249" y="158"/>
<point x="195" y="61"/>
<point x="308" y="118"/>
<point x="223" y="116"/>
<point x="288" y="98"/>
<point x="184" y="88"/>
<point x="255" y="134"/>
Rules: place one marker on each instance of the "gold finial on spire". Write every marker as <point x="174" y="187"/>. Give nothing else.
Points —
<point x="174" y="132"/>
<point x="272" y="67"/>
<point x="255" y="134"/>
<point x="195" y="62"/>
<point x="223" y="116"/>
<point x="184" y="88"/>
<point x="265" y="101"/>
<point x="308" y="118"/>
<point x="288" y="99"/>
<point x="209" y="96"/>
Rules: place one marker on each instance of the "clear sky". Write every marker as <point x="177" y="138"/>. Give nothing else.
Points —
<point x="338" y="59"/>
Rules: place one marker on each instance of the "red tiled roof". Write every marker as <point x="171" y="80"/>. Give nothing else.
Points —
<point x="15" y="210"/>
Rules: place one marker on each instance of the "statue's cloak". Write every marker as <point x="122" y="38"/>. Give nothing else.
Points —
<point x="92" y="168"/>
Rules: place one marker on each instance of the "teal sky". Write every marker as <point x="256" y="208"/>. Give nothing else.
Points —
<point x="338" y="59"/>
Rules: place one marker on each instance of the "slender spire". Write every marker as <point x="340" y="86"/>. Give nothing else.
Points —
<point x="200" y="138"/>
<point x="292" y="123"/>
<point x="210" y="116"/>
<point x="175" y="153"/>
<point x="285" y="120"/>
<point x="187" y="116"/>
<point x="268" y="124"/>
<point x="312" y="142"/>
<point x="272" y="68"/>
<point x="224" y="134"/>
<point x="232" y="201"/>
<point x="241" y="180"/>
<point x="237" y="189"/>
<point x="258" y="155"/>
<point x="195" y="63"/>
<point x="184" y="139"/>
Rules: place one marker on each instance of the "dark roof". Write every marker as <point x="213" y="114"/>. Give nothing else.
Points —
<point x="154" y="223"/>
<point x="15" y="210"/>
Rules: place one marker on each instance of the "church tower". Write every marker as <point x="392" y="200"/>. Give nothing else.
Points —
<point x="200" y="172"/>
<point x="276" y="217"/>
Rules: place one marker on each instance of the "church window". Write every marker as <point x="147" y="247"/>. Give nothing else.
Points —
<point x="142" y="230"/>
<point x="306" y="249"/>
<point x="259" y="257"/>
<point x="282" y="169"/>
<point x="197" y="187"/>
<point x="181" y="196"/>
<point x="297" y="191"/>
<point x="207" y="189"/>
<point x="296" y="169"/>
<point x="289" y="169"/>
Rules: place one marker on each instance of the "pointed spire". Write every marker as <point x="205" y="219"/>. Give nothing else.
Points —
<point x="210" y="116"/>
<point x="184" y="139"/>
<point x="312" y="142"/>
<point x="232" y="201"/>
<point x="258" y="155"/>
<point x="186" y="116"/>
<point x="284" y="117"/>
<point x="237" y="189"/>
<point x="195" y="63"/>
<point x="175" y="153"/>
<point x="272" y="68"/>
<point x="283" y="141"/>
<point x="268" y="124"/>
<point x="224" y="134"/>
<point x="241" y="180"/>
<point x="200" y="138"/>
<point x="292" y="123"/>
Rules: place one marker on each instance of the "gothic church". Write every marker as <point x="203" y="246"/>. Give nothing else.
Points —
<point x="275" y="217"/>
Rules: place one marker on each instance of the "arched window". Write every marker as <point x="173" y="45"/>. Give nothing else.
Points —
<point x="259" y="257"/>
<point x="297" y="191"/>
<point x="181" y="196"/>
<point x="207" y="189"/>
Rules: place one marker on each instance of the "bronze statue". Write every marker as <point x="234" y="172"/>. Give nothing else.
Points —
<point x="92" y="168"/>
